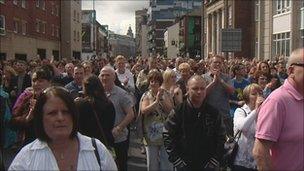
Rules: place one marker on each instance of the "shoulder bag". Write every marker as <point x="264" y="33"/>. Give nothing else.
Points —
<point x="231" y="147"/>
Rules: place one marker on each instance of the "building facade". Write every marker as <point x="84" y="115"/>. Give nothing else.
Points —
<point x="71" y="29"/>
<point x="29" y="29"/>
<point x="144" y="52"/>
<point x="94" y="36"/>
<point x="190" y="34"/>
<point x="279" y="28"/>
<point x="101" y="39"/>
<point x="121" y="45"/>
<point x="222" y="14"/>
<point x="88" y="21"/>
<point x="162" y="14"/>
<point x="140" y="24"/>
<point x="172" y="41"/>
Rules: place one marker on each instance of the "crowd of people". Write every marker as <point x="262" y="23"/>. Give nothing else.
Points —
<point x="76" y="115"/>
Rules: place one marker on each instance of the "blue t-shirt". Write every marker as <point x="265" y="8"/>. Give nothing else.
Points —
<point x="238" y="93"/>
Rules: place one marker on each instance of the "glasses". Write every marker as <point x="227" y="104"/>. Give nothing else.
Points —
<point x="298" y="64"/>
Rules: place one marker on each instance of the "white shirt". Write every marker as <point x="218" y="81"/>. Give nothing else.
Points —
<point x="126" y="75"/>
<point x="246" y="123"/>
<point x="38" y="156"/>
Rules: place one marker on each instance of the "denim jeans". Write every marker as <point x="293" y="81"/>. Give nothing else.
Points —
<point x="157" y="158"/>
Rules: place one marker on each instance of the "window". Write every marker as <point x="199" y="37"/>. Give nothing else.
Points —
<point x="281" y="43"/>
<point x="53" y="29"/>
<point x="2" y="25"/>
<point x="16" y="25"/>
<point x="282" y="6"/>
<point x="52" y="9"/>
<point x="15" y="2"/>
<point x="2" y="22"/>
<point x="78" y="17"/>
<point x="56" y="10"/>
<point x="74" y="15"/>
<point x="23" y="3"/>
<point x="24" y="27"/>
<point x="78" y="36"/>
<point x="74" y="35"/>
<point x="42" y="26"/>
<point x="57" y="32"/>
<point x="37" y="25"/>
<point x="40" y="4"/>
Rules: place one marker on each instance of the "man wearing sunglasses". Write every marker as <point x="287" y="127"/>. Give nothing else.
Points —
<point x="280" y="131"/>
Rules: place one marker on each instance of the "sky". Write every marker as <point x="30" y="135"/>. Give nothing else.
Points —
<point x="119" y="15"/>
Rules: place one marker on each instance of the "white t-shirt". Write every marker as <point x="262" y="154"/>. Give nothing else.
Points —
<point x="127" y="75"/>
<point x="38" y="156"/>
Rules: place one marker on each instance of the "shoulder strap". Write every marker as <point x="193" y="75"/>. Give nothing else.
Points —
<point x="244" y="111"/>
<point x="96" y="152"/>
<point x="106" y="143"/>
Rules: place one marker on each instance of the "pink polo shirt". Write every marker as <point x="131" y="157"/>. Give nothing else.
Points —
<point x="281" y="121"/>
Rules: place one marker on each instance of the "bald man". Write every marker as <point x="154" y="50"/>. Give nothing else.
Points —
<point x="280" y="131"/>
<point x="194" y="132"/>
<point x="124" y="114"/>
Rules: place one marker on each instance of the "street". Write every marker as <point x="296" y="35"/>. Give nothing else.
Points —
<point x="137" y="161"/>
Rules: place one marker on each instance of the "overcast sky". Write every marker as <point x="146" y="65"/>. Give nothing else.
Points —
<point x="119" y="15"/>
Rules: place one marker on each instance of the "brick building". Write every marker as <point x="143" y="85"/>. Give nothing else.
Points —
<point x="161" y="15"/>
<point x="29" y="28"/>
<point x="220" y="14"/>
<point x="190" y="34"/>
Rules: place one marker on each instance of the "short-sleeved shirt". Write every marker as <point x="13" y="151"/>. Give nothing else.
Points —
<point x="238" y="93"/>
<point x="281" y="121"/>
<point x="121" y="100"/>
<point x="218" y="97"/>
<point x="38" y="156"/>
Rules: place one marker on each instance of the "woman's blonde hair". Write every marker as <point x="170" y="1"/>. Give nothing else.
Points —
<point x="168" y="73"/>
<point x="248" y="89"/>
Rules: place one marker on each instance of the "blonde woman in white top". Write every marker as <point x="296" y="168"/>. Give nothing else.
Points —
<point x="169" y="84"/>
<point x="245" y="121"/>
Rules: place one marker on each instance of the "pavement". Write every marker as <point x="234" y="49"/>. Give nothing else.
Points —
<point x="137" y="160"/>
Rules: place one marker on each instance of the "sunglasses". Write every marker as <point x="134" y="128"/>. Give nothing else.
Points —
<point x="298" y="64"/>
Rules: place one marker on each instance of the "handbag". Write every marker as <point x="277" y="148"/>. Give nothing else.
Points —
<point x="231" y="147"/>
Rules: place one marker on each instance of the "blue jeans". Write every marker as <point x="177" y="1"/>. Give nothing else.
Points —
<point x="157" y="158"/>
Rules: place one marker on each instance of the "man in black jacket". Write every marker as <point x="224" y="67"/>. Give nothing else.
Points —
<point x="194" y="133"/>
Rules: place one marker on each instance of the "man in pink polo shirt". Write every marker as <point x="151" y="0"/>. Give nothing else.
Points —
<point x="280" y="131"/>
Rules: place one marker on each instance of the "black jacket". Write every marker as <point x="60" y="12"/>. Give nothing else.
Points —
<point x="194" y="136"/>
